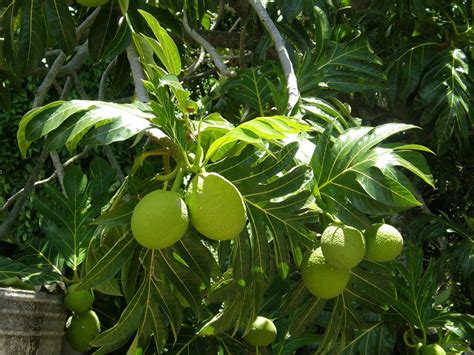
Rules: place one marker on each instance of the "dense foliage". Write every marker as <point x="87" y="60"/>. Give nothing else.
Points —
<point x="381" y="132"/>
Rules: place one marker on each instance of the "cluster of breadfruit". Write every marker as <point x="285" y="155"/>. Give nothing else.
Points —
<point x="327" y="270"/>
<point x="211" y="203"/>
<point x="83" y="325"/>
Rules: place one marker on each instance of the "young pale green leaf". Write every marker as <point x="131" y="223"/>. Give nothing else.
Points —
<point x="67" y="123"/>
<point x="61" y="25"/>
<point x="163" y="45"/>
<point x="255" y="132"/>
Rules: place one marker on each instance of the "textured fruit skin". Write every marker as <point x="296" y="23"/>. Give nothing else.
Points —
<point x="160" y="219"/>
<point x="92" y="3"/>
<point x="343" y="246"/>
<point x="215" y="206"/>
<point x="78" y="301"/>
<point x="433" y="349"/>
<point x="322" y="279"/>
<point x="263" y="332"/>
<point x="383" y="243"/>
<point x="81" y="328"/>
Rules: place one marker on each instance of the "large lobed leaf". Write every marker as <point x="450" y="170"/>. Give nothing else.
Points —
<point x="66" y="123"/>
<point x="356" y="176"/>
<point x="68" y="216"/>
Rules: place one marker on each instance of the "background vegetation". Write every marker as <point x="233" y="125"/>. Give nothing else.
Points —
<point x="357" y="63"/>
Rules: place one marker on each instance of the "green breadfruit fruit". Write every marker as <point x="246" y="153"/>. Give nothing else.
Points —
<point x="160" y="219"/>
<point x="433" y="349"/>
<point x="81" y="329"/>
<point x="216" y="207"/>
<point x="322" y="279"/>
<point x="262" y="333"/>
<point x="78" y="301"/>
<point x="343" y="246"/>
<point x="92" y="3"/>
<point x="383" y="243"/>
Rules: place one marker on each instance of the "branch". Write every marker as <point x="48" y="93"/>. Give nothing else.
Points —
<point x="17" y="194"/>
<point x="29" y="187"/>
<point x="49" y="80"/>
<point x="109" y="153"/>
<point x="137" y="74"/>
<point x="66" y="88"/>
<point x="83" y="29"/>
<point x="291" y="82"/>
<point x="59" y="169"/>
<point x="77" y="84"/>
<point x="103" y="79"/>
<point x="208" y="47"/>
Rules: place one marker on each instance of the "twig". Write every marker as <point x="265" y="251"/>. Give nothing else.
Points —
<point x="107" y="150"/>
<point x="17" y="194"/>
<point x="291" y="82"/>
<point x="137" y="74"/>
<point x="59" y="169"/>
<point x="200" y="59"/>
<point x="83" y="29"/>
<point x="103" y="79"/>
<point x="49" y="80"/>
<point x="66" y="88"/>
<point x="208" y="47"/>
<point x="114" y="163"/>
<point x="77" y="84"/>
<point x="29" y="186"/>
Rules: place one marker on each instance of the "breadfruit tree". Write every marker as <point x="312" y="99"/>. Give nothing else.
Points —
<point x="234" y="181"/>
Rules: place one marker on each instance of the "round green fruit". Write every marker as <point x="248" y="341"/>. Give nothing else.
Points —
<point x="322" y="279"/>
<point x="78" y="301"/>
<point x="383" y="243"/>
<point x="433" y="349"/>
<point x="216" y="207"/>
<point x="92" y="3"/>
<point x="160" y="219"/>
<point x="81" y="329"/>
<point x="262" y="333"/>
<point x="343" y="246"/>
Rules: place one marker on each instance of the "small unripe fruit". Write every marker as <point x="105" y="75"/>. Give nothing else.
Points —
<point x="343" y="246"/>
<point x="78" y="301"/>
<point x="322" y="279"/>
<point x="160" y="219"/>
<point x="81" y="329"/>
<point x="216" y="207"/>
<point x="433" y="349"/>
<point x="262" y="333"/>
<point x="383" y="243"/>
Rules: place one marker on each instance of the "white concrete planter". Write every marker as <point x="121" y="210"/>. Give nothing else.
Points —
<point x="30" y="322"/>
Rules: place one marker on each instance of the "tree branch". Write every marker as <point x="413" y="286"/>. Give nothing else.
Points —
<point x="103" y="79"/>
<point x="49" y="80"/>
<point x="208" y="47"/>
<point x="29" y="186"/>
<point x="83" y="30"/>
<point x="291" y="82"/>
<point x="17" y="194"/>
<point x="137" y="74"/>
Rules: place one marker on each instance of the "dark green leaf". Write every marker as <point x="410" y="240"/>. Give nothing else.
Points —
<point x="61" y="25"/>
